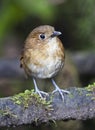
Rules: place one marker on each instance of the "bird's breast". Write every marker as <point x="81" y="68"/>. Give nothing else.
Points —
<point x="46" y="61"/>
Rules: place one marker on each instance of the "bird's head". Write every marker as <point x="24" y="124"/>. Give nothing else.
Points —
<point x="42" y="35"/>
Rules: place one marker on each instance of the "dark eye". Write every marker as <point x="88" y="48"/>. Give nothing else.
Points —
<point x="42" y="36"/>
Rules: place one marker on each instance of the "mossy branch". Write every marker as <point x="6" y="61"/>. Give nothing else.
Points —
<point x="29" y="108"/>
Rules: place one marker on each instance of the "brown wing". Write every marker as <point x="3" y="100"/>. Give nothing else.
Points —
<point x="23" y="65"/>
<point x="21" y="59"/>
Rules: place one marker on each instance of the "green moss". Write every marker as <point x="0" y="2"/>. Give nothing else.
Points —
<point x="93" y="98"/>
<point x="71" y="95"/>
<point x="3" y="112"/>
<point x="80" y="91"/>
<point x="88" y="94"/>
<point x="22" y="98"/>
<point x="7" y="112"/>
<point x="30" y="97"/>
<point x="90" y="87"/>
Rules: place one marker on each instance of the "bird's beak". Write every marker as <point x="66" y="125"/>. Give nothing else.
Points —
<point x="56" y="33"/>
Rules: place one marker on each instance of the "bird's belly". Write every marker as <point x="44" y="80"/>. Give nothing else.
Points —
<point x="46" y="68"/>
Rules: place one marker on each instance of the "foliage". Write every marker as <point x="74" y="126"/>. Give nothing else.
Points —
<point x="79" y="23"/>
<point x="77" y="18"/>
<point x="15" y="11"/>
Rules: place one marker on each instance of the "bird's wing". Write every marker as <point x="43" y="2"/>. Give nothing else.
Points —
<point x="21" y="59"/>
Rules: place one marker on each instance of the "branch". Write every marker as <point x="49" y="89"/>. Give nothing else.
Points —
<point x="29" y="108"/>
<point x="85" y="62"/>
<point x="10" y="68"/>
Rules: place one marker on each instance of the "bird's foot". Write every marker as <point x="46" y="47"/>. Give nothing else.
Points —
<point x="57" y="89"/>
<point x="61" y="92"/>
<point x="41" y="93"/>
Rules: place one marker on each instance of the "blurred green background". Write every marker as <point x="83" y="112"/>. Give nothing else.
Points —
<point x="74" y="18"/>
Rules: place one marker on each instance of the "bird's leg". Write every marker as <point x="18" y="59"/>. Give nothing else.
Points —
<point x="61" y="91"/>
<point x="37" y="90"/>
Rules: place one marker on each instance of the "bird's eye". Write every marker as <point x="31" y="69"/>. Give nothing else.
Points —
<point x="42" y="36"/>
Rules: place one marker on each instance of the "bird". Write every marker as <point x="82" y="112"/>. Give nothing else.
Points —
<point x="43" y="57"/>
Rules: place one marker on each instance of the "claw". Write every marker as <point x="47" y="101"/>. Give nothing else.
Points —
<point x="38" y="91"/>
<point x="61" y="91"/>
<point x="41" y="93"/>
